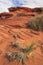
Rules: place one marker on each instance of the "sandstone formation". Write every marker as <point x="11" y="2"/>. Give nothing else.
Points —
<point x="13" y="29"/>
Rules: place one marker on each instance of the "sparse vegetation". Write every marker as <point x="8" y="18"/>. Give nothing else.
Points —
<point x="21" y="55"/>
<point x="36" y="23"/>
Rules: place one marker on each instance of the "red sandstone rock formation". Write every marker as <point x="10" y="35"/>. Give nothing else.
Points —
<point x="12" y="9"/>
<point x="38" y="10"/>
<point x="5" y="15"/>
<point x="13" y="24"/>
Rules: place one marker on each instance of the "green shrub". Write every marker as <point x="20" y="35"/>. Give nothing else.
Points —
<point x="36" y="23"/>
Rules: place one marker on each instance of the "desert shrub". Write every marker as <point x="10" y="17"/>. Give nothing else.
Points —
<point x="22" y="54"/>
<point x="36" y="23"/>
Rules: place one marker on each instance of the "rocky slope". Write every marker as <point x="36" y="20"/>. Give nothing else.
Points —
<point x="13" y="23"/>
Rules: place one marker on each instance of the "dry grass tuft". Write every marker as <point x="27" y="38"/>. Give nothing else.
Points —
<point x="36" y="23"/>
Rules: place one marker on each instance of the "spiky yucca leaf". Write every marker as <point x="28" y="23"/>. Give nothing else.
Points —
<point x="31" y="47"/>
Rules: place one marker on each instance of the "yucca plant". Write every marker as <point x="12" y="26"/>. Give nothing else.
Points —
<point x="21" y="55"/>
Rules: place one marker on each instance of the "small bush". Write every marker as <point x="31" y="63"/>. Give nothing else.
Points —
<point x="22" y="55"/>
<point x="36" y="23"/>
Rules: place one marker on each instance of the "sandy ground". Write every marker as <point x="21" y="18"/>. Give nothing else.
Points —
<point x="26" y="37"/>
